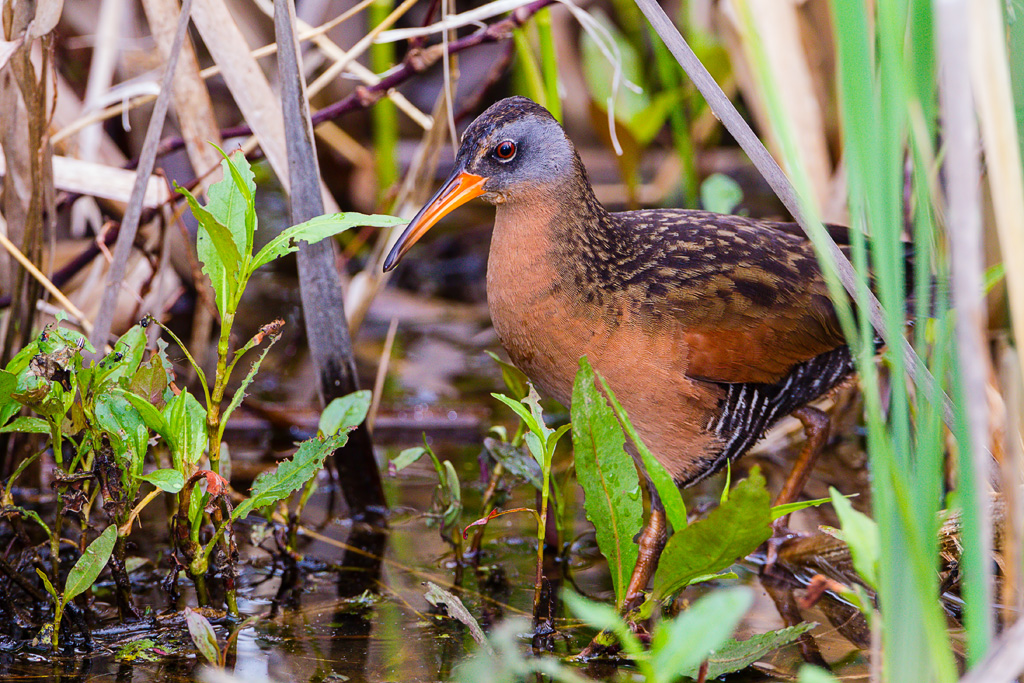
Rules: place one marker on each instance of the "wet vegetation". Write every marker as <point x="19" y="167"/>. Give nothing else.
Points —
<point x="194" y="486"/>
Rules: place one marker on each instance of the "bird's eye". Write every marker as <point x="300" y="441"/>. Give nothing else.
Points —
<point x="505" y="150"/>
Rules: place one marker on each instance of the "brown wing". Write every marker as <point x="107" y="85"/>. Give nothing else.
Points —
<point x="747" y="297"/>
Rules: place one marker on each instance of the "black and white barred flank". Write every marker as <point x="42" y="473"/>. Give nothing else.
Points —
<point x="748" y="410"/>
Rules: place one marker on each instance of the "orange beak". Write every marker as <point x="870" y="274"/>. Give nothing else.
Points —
<point x="459" y="189"/>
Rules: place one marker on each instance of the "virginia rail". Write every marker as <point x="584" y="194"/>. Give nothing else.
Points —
<point x="709" y="328"/>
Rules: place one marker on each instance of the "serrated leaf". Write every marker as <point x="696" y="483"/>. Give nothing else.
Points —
<point x="671" y="498"/>
<point x="241" y="175"/>
<point x="290" y="475"/>
<point x="608" y="476"/>
<point x="316" y="229"/>
<point x="203" y="636"/>
<point x="169" y="480"/>
<point x="736" y="655"/>
<point x="680" y="645"/>
<point x="83" y="575"/>
<point x="731" y="531"/>
<point x="406" y="458"/>
<point x="224" y="249"/>
<point x="230" y="208"/>
<point x="236" y="399"/>
<point x="26" y="425"/>
<point x="345" y="412"/>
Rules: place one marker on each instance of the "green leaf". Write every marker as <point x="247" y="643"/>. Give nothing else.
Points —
<point x="230" y="208"/>
<point x="290" y="475"/>
<point x="608" y="476"/>
<point x="780" y="511"/>
<point x="860" y="533"/>
<point x="522" y="411"/>
<point x="405" y="458"/>
<point x="47" y="585"/>
<point x="515" y="461"/>
<point x="149" y="414"/>
<point x="597" y="614"/>
<point x="731" y="531"/>
<point x="169" y="480"/>
<point x="119" y="418"/>
<point x="228" y="258"/>
<point x="598" y="73"/>
<point x="679" y="646"/>
<point x="186" y="420"/>
<point x="345" y="413"/>
<point x="814" y="674"/>
<point x="236" y="398"/>
<point x="316" y="229"/>
<point x="736" y="655"/>
<point x="671" y="498"/>
<point x="83" y="575"/>
<point x="34" y="516"/>
<point x="26" y="425"/>
<point x="720" y="194"/>
<point x="237" y="165"/>
<point x="514" y="378"/>
<point x="150" y="382"/>
<point x="203" y="635"/>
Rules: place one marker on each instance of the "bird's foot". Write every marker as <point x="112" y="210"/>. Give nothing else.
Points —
<point x="781" y="535"/>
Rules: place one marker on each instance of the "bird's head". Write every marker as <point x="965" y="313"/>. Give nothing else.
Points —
<point x="513" y="148"/>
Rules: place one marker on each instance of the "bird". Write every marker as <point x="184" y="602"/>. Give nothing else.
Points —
<point x="708" y="327"/>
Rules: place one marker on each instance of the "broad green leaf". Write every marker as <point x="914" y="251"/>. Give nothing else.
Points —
<point x="229" y="207"/>
<point x="126" y="357"/>
<point x="8" y="382"/>
<point x="186" y="420"/>
<point x="536" y="448"/>
<point x="27" y="425"/>
<point x="290" y="475"/>
<point x="679" y="646"/>
<point x="671" y="498"/>
<point x="406" y="458"/>
<point x="316" y="229"/>
<point x="345" y="413"/>
<point x="149" y="414"/>
<point x="731" y="531"/>
<point x="203" y="635"/>
<point x="720" y="194"/>
<point x="150" y="381"/>
<point x="226" y="252"/>
<point x="119" y="418"/>
<point x="169" y="480"/>
<point x="646" y="125"/>
<point x="514" y="378"/>
<point x="47" y="585"/>
<point x="860" y="533"/>
<point x="238" y="165"/>
<point x="608" y="476"/>
<point x="736" y="655"/>
<point x="83" y="575"/>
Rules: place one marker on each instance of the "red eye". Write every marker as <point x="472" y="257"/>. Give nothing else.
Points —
<point x="505" y="150"/>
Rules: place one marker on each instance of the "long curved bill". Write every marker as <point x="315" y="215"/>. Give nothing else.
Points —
<point x="459" y="189"/>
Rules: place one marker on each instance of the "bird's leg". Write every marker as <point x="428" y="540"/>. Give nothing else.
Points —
<point x="652" y="542"/>
<point x="816" y="427"/>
